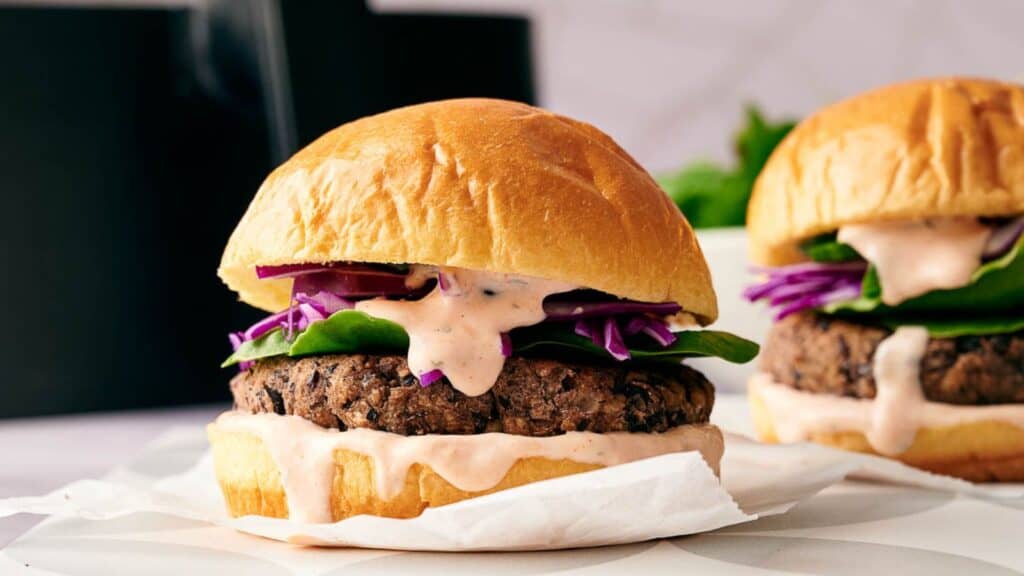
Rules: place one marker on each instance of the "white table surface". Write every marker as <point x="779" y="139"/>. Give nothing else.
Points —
<point x="43" y="454"/>
<point x="850" y="528"/>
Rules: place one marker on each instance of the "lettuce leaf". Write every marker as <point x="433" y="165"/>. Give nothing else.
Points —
<point x="993" y="303"/>
<point x="344" y="332"/>
<point x="688" y="344"/>
<point x="826" y="248"/>
<point x="996" y="286"/>
<point x="350" y="331"/>
<point x="270" y="344"/>
<point x="951" y="327"/>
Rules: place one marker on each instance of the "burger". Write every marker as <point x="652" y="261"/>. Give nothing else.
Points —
<point x="887" y="230"/>
<point x="465" y="296"/>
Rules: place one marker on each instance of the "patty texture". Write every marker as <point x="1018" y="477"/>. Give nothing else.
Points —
<point x="823" y="354"/>
<point x="532" y="397"/>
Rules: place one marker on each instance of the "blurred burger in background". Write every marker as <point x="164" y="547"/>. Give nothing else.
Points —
<point x="466" y="296"/>
<point x="888" y="229"/>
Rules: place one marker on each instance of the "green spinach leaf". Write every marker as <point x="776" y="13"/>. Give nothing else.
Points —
<point x="688" y="344"/>
<point x="993" y="303"/>
<point x="826" y="248"/>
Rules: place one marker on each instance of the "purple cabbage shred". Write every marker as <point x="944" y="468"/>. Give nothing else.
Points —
<point x="792" y="289"/>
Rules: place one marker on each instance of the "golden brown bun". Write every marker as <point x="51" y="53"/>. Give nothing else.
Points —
<point x="251" y="482"/>
<point x="978" y="451"/>
<point x="475" y="183"/>
<point x="930" y="148"/>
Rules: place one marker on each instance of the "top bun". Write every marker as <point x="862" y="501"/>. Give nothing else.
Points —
<point x="929" y="148"/>
<point x="475" y="183"/>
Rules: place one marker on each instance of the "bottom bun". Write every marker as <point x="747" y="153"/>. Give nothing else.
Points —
<point x="251" y="481"/>
<point x="980" y="451"/>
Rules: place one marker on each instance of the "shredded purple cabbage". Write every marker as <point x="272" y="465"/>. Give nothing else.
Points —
<point x="506" y="345"/>
<point x="319" y="290"/>
<point x="791" y="289"/>
<point x="305" y="310"/>
<point x="656" y="328"/>
<point x="236" y="339"/>
<point x="326" y="303"/>
<point x="352" y="285"/>
<point x="445" y="281"/>
<point x="659" y="332"/>
<point x="347" y="268"/>
<point x="582" y="328"/>
<point x="428" y="378"/>
<point x="1003" y="238"/>
<point x="607" y="332"/>
<point x="613" y="340"/>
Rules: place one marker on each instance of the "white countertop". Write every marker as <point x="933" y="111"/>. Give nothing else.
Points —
<point x="43" y="454"/>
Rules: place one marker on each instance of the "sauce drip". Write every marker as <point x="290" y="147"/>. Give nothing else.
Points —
<point x="898" y="395"/>
<point x="457" y="329"/>
<point x="304" y="454"/>
<point x="913" y="258"/>
<point x="891" y="420"/>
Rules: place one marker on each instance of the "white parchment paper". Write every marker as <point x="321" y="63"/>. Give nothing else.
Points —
<point x="659" y="497"/>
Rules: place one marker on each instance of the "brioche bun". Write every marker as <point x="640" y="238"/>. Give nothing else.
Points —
<point x="985" y="451"/>
<point x="475" y="183"/>
<point x="251" y="482"/>
<point x="929" y="148"/>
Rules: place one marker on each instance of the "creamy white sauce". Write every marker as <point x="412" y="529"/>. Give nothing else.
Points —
<point x="419" y="275"/>
<point x="458" y="330"/>
<point x="891" y="420"/>
<point x="681" y="321"/>
<point x="913" y="258"/>
<point x="898" y="394"/>
<point x="304" y="454"/>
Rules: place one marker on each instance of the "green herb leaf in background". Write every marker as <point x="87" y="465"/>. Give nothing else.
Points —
<point x="713" y="196"/>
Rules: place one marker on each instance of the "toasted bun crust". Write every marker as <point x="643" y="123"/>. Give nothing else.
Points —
<point x="251" y="481"/>
<point x="475" y="183"/>
<point x="929" y="148"/>
<point x="977" y="451"/>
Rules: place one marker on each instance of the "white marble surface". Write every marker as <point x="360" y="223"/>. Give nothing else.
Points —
<point x="668" y="78"/>
<point x="42" y="454"/>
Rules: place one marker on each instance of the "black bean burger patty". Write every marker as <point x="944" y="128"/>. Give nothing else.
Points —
<point x="533" y="397"/>
<point x="816" y="353"/>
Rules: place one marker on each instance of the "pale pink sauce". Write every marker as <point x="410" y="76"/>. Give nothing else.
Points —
<point x="458" y="330"/>
<point x="898" y="394"/>
<point x="913" y="258"/>
<point x="891" y="420"/>
<point x="304" y="452"/>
